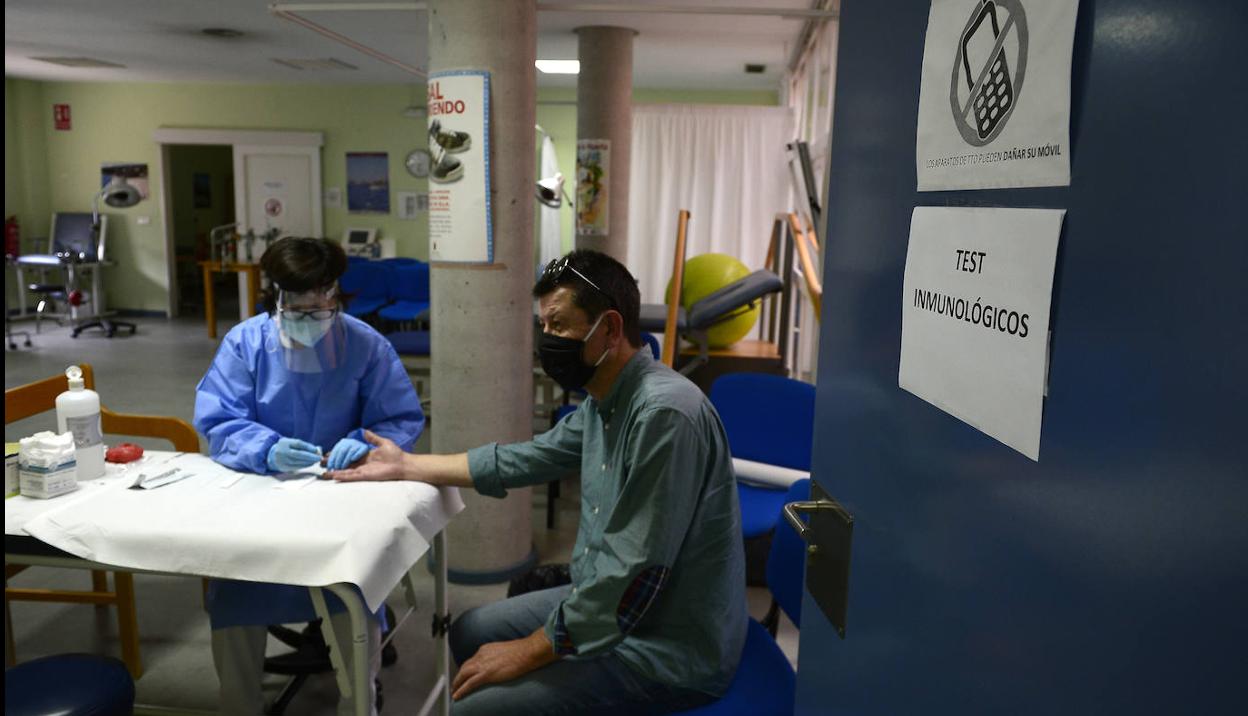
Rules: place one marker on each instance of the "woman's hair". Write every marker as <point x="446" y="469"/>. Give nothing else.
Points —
<point x="299" y="263"/>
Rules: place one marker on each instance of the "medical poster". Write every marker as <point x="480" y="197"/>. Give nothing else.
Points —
<point x="994" y="103"/>
<point x="461" y="228"/>
<point x="593" y="171"/>
<point x="975" y="316"/>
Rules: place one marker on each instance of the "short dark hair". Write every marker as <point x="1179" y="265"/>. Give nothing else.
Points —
<point x="301" y="263"/>
<point x="613" y="280"/>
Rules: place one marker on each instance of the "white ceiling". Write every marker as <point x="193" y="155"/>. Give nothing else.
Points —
<point x="160" y="41"/>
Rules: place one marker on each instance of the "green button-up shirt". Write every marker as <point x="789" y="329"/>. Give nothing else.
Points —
<point x="658" y="571"/>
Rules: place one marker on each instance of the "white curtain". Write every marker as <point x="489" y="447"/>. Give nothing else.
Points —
<point x="550" y="246"/>
<point x="726" y="165"/>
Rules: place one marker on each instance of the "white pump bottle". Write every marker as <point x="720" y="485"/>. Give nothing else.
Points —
<point x="78" y="412"/>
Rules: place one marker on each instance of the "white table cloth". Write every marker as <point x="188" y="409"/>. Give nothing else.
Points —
<point x="220" y="523"/>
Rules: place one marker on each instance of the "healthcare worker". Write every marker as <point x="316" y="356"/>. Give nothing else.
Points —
<point x="288" y="389"/>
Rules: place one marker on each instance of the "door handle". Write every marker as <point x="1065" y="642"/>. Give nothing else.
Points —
<point x="828" y="537"/>
<point x="793" y="510"/>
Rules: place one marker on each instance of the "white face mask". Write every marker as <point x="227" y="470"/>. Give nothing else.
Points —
<point x="306" y="331"/>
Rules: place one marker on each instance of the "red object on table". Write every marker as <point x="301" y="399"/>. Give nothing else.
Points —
<point x="125" y="452"/>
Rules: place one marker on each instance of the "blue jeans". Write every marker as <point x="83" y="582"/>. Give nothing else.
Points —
<point x="604" y="685"/>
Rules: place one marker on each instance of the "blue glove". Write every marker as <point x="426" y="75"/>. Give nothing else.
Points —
<point x="347" y="451"/>
<point x="289" y="454"/>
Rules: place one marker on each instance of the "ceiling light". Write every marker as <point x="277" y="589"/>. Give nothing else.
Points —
<point x="223" y="33"/>
<point x="559" y="67"/>
<point x="77" y="62"/>
<point x="327" y="63"/>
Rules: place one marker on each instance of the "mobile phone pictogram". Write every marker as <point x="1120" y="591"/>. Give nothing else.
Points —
<point x="996" y="91"/>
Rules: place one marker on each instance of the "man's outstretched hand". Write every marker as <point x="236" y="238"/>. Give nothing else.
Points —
<point x="384" y="462"/>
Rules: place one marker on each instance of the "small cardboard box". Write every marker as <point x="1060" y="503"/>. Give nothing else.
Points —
<point x="47" y="482"/>
<point x="11" y="483"/>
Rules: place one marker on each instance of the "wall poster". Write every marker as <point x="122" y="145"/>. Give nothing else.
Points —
<point x="461" y="227"/>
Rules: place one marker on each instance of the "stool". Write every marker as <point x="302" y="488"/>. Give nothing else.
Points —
<point x="69" y="685"/>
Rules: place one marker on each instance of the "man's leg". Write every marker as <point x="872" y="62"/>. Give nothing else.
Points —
<point x="604" y="686"/>
<point x="509" y="619"/>
<point x="342" y="631"/>
<point x="238" y="653"/>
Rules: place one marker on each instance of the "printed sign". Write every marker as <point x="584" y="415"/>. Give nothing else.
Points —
<point x="593" y="172"/>
<point x="994" y="103"/>
<point x="975" y="316"/>
<point x="60" y="117"/>
<point x="460" y="225"/>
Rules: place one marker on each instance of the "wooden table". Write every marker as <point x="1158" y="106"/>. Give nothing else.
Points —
<point x="253" y="289"/>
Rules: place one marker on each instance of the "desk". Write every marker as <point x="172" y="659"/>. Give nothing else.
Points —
<point x="252" y="272"/>
<point x="207" y="526"/>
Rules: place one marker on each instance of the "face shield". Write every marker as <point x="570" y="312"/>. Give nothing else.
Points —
<point x="310" y="332"/>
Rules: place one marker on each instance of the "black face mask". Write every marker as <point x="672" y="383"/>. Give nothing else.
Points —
<point x="561" y="359"/>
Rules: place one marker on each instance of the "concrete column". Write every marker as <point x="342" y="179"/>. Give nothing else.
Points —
<point x="482" y="323"/>
<point x="604" y="110"/>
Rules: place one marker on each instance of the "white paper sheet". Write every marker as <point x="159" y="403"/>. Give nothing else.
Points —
<point x="994" y="102"/>
<point x="367" y="534"/>
<point x="967" y="271"/>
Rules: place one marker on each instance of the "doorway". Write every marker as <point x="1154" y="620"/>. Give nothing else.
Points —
<point x="201" y="196"/>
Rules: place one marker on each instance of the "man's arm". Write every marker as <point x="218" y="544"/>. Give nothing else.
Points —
<point x="490" y="469"/>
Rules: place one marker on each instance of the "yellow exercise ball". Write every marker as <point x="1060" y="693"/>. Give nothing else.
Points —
<point x="706" y="274"/>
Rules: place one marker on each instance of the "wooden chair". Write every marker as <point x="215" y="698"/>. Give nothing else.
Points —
<point x="671" y="336"/>
<point x="34" y="398"/>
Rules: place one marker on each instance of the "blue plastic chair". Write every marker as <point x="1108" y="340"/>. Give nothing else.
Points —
<point x="650" y="340"/>
<point x="69" y="685"/>
<point x="765" y="684"/>
<point x="409" y="289"/>
<point x="367" y="283"/>
<point x="410" y="343"/>
<point x="768" y="419"/>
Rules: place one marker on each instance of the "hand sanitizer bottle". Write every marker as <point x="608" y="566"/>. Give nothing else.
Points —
<point x="78" y="412"/>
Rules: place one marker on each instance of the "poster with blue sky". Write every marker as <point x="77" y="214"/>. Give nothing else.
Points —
<point x="368" y="183"/>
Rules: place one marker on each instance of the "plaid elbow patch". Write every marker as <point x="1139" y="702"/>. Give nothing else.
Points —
<point x="639" y="596"/>
<point x="563" y="643"/>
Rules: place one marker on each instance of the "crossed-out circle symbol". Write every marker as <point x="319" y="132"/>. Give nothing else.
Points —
<point x="993" y="87"/>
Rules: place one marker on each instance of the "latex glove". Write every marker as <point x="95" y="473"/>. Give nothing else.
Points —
<point x="289" y="454"/>
<point x="345" y="452"/>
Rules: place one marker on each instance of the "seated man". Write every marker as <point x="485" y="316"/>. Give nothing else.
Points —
<point x="655" y="618"/>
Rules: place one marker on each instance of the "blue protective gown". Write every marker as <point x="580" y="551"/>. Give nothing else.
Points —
<point x="250" y="398"/>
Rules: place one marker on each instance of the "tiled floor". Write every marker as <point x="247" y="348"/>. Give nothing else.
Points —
<point x="155" y="372"/>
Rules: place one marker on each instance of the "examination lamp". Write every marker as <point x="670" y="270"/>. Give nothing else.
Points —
<point x="117" y="193"/>
<point x="550" y="191"/>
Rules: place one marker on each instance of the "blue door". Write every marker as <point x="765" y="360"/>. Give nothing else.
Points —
<point x="1111" y="576"/>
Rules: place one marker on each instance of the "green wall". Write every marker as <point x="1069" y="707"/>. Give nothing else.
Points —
<point x="48" y="170"/>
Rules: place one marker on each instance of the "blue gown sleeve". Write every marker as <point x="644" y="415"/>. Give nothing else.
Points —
<point x="391" y="407"/>
<point x="225" y="411"/>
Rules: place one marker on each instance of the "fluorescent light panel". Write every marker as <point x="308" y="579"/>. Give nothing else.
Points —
<point x="559" y="67"/>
